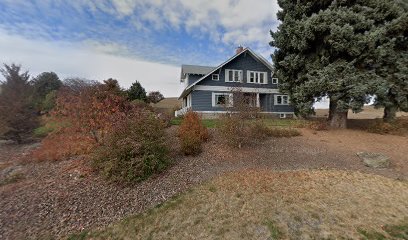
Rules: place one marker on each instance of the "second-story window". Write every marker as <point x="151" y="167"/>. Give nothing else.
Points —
<point x="215" y="77"/>
<point x="257" y="77"/>
<point x="232" y="75"/>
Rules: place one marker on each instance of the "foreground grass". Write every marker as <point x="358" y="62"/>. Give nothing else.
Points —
<point x="275" y="205"/>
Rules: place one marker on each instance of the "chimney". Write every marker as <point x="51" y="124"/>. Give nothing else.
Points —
<point x="239" y="49"/>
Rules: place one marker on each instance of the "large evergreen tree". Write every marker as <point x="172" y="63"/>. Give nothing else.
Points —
<point x="322" y="47"/>
<point x="391" y="57"/>
<point x="136" y="92"/>
<point x="17" y="116"/>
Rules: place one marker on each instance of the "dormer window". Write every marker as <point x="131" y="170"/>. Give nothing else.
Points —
<point x="232" y="75"/>
<point x="257" y="77"/>
<point x="215" y="77"/>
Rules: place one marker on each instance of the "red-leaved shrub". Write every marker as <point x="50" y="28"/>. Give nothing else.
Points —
<point x="57" y="146"/>
<point x="192" y="134"/>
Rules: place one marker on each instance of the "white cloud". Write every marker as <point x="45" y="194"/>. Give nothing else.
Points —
<point x="90" y="60"/>
<point x="231" y="21"/>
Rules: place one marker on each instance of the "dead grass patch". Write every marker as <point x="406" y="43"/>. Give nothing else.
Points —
<point x="397" y="127"/>
<point x="265" y="204"/>
<point x="283" y="132"/>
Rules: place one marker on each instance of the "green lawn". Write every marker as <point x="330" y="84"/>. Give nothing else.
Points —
<point x="209" y="123"/>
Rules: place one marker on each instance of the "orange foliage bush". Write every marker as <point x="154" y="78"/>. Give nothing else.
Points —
<point x="90" y="112"/>
<point x="192" y="134"/>
<point x="58" y="146"/>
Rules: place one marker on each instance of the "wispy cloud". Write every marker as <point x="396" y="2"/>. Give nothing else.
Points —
<point x="88" y="60"/>
<point x="147" y="24"/>
<point x="168" y="32"/>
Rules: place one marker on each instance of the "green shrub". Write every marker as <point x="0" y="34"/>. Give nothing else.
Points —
<point x="192" y="134"/>
<point x="49" y="127"/>
<point x="134" y="150"/>
<point x="42" y="131"/>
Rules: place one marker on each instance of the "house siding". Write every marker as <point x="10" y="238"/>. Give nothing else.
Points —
<point x="245" y="62"/>
<point x="192" y="78"/>
<point x="202" y="101"/>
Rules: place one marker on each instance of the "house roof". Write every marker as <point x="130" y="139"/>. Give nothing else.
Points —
<point x="195" y="69"/>
<point x="256" y="56"/>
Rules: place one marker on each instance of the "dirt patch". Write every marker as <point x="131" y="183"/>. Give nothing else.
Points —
<point x="350" y="142"/>
<point x="58" y="198"/>
<point x="262" y="204"/>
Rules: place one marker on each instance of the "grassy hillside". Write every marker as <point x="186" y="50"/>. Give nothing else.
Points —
<point x="168" y="103"/>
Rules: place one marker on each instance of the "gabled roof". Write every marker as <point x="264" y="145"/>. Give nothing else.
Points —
<point x="195" y="69"/>
<point x="256" y="56"/>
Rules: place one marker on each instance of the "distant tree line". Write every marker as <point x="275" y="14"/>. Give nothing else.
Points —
<point x="23" y="100"/>
<point x="348" y="51"/>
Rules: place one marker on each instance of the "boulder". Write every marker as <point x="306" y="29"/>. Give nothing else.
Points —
<point x="374" y="160"/>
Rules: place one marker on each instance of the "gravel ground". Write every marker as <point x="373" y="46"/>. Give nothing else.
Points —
<point x="53" y="199"/>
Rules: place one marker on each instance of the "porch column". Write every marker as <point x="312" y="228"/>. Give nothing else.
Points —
<point x="258" y="103"/>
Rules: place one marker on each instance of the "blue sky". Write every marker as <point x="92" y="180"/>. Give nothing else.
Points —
<point x="144" y="40"/>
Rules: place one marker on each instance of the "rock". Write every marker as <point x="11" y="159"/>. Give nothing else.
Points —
<point x="374" y="160"/>
<point x="11" y="171"/>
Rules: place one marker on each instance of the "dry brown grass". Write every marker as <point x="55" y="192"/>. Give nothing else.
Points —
<point x="262" y="204"/>
<point x="169" y="103"/>
<point x="369" y="113"/>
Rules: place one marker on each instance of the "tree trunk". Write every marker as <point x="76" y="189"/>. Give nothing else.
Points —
<point x="337" y="119"/>
<point x="390" y="113"/>
<point x="332" y="109"/>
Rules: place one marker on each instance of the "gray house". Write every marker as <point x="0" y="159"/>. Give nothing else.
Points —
<point x="208" y="89"/>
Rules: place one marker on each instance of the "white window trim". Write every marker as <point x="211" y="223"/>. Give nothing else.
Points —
<point x="282" y="115"/>
<point x="215" y="75"/>
<point x="257" y="76"/>
<point x="229" y="89"/>
<point x="276" y="100"/>
<point x="230" y="98"/>
<point x="275" y="80"/>
<point x="235" y="71"/>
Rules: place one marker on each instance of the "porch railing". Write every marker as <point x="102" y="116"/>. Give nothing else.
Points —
<point x="182" y="111"/>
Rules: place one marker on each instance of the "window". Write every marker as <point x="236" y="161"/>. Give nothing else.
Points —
<point x="222" y="100"/>
<point x="281" y="100"/>
<point x="275" y="81"/>
<point x="257" y="77"/>
<point x="233" y="75"/>
<point x="215" y="77"/>
<point x="282" y="115"/>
